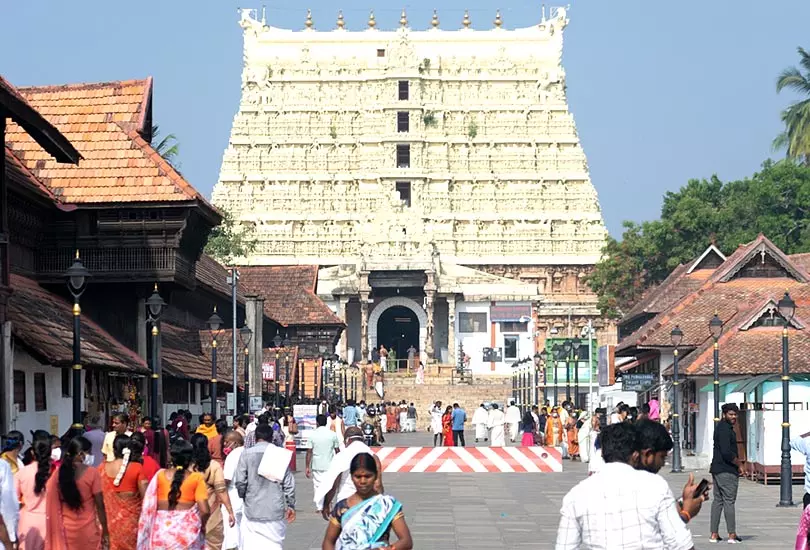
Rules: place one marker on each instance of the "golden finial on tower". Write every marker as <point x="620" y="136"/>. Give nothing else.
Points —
<point x="498" y="20"/>
<point x="403" y="19"/>
<point x="340" y="22"/>
<point x="435" y="21"/>
<point x="308" y="22"/>
<point x="371" y="21"/>
<point x="466" y="21"/>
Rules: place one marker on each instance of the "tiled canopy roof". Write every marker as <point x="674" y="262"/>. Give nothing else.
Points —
<point x="744" y="349"/>
<point x="17" y="173"/>
<point x="187" y="354"/>
<point x="678" y="284"/>
<point x="214" y="275"/>
<point x="43" y="322"/>
<point x="106" y="122"/>
<point x="289" y="293"/>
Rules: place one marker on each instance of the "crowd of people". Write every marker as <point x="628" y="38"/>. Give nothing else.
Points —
<point x="210" y="484"/>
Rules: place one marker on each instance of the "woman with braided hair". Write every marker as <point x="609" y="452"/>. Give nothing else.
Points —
<point x="175" y="508"/>
<point x="123" y="486"/>
<point x="31" y="480"/>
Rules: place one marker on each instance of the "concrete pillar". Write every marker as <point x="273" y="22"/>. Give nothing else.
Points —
<point x="430" y="298"/>
<point x="364" y="348"/>
<point x="254" y="318"/>
<point x="343" y="343"/>
<point x="7" y="369"/>
<point x="452" y="347"/>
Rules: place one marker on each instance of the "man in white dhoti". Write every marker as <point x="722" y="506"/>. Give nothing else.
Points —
<point x="233" y="449"/>
<point x="495" y="424"/>
<point x="512" y="419"/>
<point x="268" y="505"/>
<point x="337" y="483"/>
<point x="436" y="423"/>
<point x="321" y="445"/>
<point x="479" y="421"/>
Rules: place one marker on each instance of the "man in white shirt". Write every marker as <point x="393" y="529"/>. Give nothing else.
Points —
<point x="495" y="424"/>
<point x="321" y="446"/>
<point x="512" y="419"/>
<point x="479" y="421"/>
<point x="626" y="506"/>
<point x="120" y="426"/>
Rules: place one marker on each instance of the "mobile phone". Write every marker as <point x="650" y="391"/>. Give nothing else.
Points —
<point x="702" y="486"/>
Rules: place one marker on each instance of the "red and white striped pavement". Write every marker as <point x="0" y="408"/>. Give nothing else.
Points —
<point x="470" y="459"/>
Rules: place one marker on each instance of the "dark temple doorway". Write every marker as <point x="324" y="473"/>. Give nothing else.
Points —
<point x="398" y="329"/>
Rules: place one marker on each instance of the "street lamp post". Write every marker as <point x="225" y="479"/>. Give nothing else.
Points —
<point x="154" y="306"/>
<point x="246" y="335"/>
<point x="677" y="337"/>
<point x="514" y="381"/>
<point x="277" y="371"/>
<point x="556" y="353"/>
<point x="787" y="307"/>
<point x="716" y="329"/>
<point x="77" y="276"/>
<point x="214" y="325"/>
<point x="575" y="344"/>
<point x="538" y="358"/>
<point x="287" y="394"/>
<point x="567" y="350"/>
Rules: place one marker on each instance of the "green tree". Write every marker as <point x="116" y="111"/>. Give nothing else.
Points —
<point x="230" y="240"/>
<point x="796" y="118"/>
<point x="167" y="147"/>
<point x="774" y="201"/>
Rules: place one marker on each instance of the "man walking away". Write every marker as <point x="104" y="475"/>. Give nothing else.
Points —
<point x="321" y="445"/>
<point x="801" y="444"/>
<point x="626" y="506"/>
<point x="459" y="418"/>
<point x="479" y="421"/>
<point x="350" y="414"/>
<point x="436" y="422"/>
<point x="495" y="424"/>
<point x="411" y="418"/>
<point x="725" y="470"/>
<point x="512" y="419"/>
<point x="268" y="505"/>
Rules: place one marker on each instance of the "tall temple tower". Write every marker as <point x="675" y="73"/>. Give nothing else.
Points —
<point x="437" y="166"/>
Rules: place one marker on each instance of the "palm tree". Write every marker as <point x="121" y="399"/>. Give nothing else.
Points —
<point x="168" y="148"/>
<point x="796" y="137"/>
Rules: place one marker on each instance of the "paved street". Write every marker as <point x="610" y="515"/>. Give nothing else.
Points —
<point x="516" y="511"/>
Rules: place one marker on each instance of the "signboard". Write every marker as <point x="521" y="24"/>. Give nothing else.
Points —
<point x="492" y="355"/>
<point x="230" y="401"/>
<point x="255" y="403"/>
<point x="514" y="313"/>
<point x="637" y="382"/>
<point x="606" y="366"/>
<point x="268" y="371"/>
<point x="305" y="418"/>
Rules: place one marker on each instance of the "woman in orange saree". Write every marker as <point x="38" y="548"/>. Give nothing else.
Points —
<point x="74" y="507"/>
<point x="554" y="429"/>
<point x="572" y="435"/>
<point x="447" y="426"/>
<point x="123" y="486"/>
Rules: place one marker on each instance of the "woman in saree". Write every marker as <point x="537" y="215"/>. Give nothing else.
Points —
<point x="175" y="507"/>
<point x="74" y="505"/>
<point x="217" y="492"/>
<point x="554" y="429"/>
<point x="392" y="422"/>
<point x="365" y="519"/>
<point x="123" y="485"/>
<point x="31" y="481"/>
<point x="447" y="426"/>
<point x="571" y="432"/>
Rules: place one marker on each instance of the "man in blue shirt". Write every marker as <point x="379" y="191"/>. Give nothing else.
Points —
<point x="802" y="444"/>
<point x="350" y="414"/>
<point x="459" y="418"/>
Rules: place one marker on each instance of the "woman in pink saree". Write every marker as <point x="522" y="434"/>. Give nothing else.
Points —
<point x="803" y="531"/>
<point x="175" y="507"/>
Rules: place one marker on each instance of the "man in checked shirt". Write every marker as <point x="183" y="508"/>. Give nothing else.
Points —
<point x="626" y="505"/>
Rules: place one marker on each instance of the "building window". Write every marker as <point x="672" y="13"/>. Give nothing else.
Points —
<point x="175" y="391"/>
<point x="19" y="389"/>
<point x="514" y="326"/>
<point x="472" y="322"/>
<point x="40" y="401"/>
<point x="380" y="52"/>
<point x="404" y="88"/>
<point x="404" y="190"/>
<point x="66" y="382"/>
<point x="403" y="121"/>
<point x="403" y="156"/>
<point x="510" y="347"/>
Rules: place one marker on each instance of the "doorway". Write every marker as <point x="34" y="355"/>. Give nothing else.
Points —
<point x="398" y="330"/>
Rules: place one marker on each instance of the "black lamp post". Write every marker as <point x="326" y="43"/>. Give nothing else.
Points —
<point x="575" y="344"/>
<point x="277" y="374"/>
<point x="287" y="390"/>
<point x="538" y="359"/>
<point x="154" y="306"/>
<point x="214" y="324"/>
<point x="787" y="307"/>
<point x="567" y="353"/>
<point x="245" y="335"/>
<point x="716" y="329"/>
<point x="557" y="352"/>
<point x="77" y="276"/>
<point x="514" y="381"/>
<point x="677" y="337"/>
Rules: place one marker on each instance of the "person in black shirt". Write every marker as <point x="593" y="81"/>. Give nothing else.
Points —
<point x="725" y="470"/>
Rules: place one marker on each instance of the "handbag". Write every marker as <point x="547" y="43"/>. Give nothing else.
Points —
<point x="293" y="428"/>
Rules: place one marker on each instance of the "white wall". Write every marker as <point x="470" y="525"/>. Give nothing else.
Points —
<point x="474" y="343"/>
<point x="58" y="406"/>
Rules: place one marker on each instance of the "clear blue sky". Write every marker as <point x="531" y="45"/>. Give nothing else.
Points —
<point x="661" y="90"/>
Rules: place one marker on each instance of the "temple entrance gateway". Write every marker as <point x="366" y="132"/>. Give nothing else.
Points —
<point x="398" y="330"/>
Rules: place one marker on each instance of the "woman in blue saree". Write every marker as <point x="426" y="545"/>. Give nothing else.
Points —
<point x="364" y="521"/>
